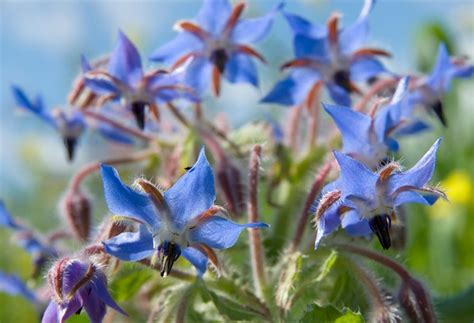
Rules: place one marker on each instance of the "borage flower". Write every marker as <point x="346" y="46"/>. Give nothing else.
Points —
<point x="369" y="138"/>
<point x="363" y="201"/>
<point x="69" y="124"/>
<point x="182" y="221"/>
<point x="429" y="92"/>
<point x="125" y="80"/>
<point x="217" y="44"/>
<point x="75" y="285"/>
<point x="330" y="56"/>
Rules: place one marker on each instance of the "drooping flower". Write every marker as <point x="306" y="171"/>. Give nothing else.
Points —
<point x="75" y="285"/>
<point x="69" y="124"/>
<point x="363" y="201"/>
<point x="218" y="44"/>
<point x="125" y="80"/>
<point x="429" y="91"/>
<point x="330" y="56"/>
<point x="182" y="221"/>
<point x="369" y="138"/>
<point x="13" y="285"/>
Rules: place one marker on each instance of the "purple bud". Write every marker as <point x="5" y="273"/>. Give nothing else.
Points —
<point x="76" y="208"/>
<point x="416" y="301"/>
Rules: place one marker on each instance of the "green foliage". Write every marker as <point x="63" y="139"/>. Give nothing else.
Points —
<point x="315" y="313"/>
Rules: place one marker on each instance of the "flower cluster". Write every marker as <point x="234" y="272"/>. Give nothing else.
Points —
<point x="158" y="115"/>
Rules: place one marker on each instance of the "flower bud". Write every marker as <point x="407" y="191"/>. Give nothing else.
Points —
<point x="77" y="210"/>
<point x="229" y="179"/>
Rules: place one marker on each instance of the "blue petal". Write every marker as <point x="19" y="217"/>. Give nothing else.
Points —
<point x="353" y="36"/>
<point x="192" y="194"/>
<point x="354" y="127"/>
<point x="182" y="44"/>
<point x="219" y="233"/>
<point x="85" y="65"/>
<point x="294" y="89"/>
<point x="354" y="225"/>
<point x="198" y="74"/>
<point x="50" y="315"/>
<point x="125" y="62"/>
<point x="401" y="91"/>
<point x="6" y="220"/>
<point x="365" y="68"/>
<point x="213" y="15"/>
<point x="36" y="107"/>
<point x="328" y="223"/>
<point x="412" y="128"/>
<point x="339" y="95"/>
<point x="442" y="65"/>
<point x="355" y="179"/>
<point x="310" y="47"/>
<point x="94" y="307"/>
<point x="299" y="25"/>
<point x="253" y="30"/>
<point x="131" y="246"/>
<point x="100" y="289"/>
<point x="414" y="197"/>
<point x="124" y="201"/>
<point x="101" y="85"/>
<point x="419" y="174"/>
<point x="196" y="258"/>
<point x="13" y="285"/>
<point x="241" y="68"/>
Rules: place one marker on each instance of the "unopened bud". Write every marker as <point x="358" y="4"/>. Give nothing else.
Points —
<point x="229" y="179"/>
<point x="77" y="211"/>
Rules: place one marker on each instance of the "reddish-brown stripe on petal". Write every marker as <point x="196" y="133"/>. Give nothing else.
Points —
<point x="313" y="94"/>
<point x="252" y="52"/>
<point x="84" y="280"/>
<point x="370" y="52"/>
<point x="234" y="17"/>
<point x="300" y="62"/>
<point x="155" y="194"/>
<point x="209" y="252"/>
<point x="332" y="25"/>
<point x="192" y="28"/>
<point x="155" y="112"/>
<point x="326" y="202"/>
<point x="216" y="81"/>
<point x="182" y="60"/>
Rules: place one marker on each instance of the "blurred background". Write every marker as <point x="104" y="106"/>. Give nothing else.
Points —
<point x="40" y="46"/>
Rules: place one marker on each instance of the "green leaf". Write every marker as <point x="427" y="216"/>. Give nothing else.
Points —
<point x="457" y="308"/>
<point x="315" y="313"/>
<point x="427" y="40"/>
<point x="327" y="266"/>
<point x="288" y="277"/>
<point x="128" y="281"/>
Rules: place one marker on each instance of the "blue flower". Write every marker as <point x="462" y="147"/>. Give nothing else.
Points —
<point x="126" y="80"/>
<point x="330" y="56"/>
<point x="369" y="138"/>
<point x="217" y="45"/>
<point x="183" y="221"/>
<point x="429" y="92"/>
<point x="75" y="285"/>
<point x="13" y="285"/>
<point x="69" y="124"/>
<point x="363" y="201"/>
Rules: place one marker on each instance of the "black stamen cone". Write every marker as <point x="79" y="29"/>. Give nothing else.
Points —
<point x="380" y="225"/>
<point x="170" y="253"/>
<point x="438" y="110"/>
<point x="70" y="144"/>
<point x="342" y="78"/>
<point x="138" y="110"/>
<point x="219" y="59"/>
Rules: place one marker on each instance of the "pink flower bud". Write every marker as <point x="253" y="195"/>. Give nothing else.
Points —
<point x="76" y="208"/>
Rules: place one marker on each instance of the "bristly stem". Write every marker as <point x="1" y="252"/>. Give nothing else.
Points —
<point x="94" y="166"/>
<point x="423" y="301"/>
<point x="132" y="131"/>
<point x="256" y="247"/>
<point x="294" y="127"/>
<point x="314" y="108"/>
<point x="377" y="87"/>
<point x="175" y="111"/>
<point x="305" y="213"/>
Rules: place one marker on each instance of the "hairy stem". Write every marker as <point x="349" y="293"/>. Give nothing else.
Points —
<point x="293" y="127"/>
<point x="256" y="247"/>
<point x="132" y="131"/>
<point x="91" y="168"/>
<point x="314" y="191"/>
<point x="378" y="86"/>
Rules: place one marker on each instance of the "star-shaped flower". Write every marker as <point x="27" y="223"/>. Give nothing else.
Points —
<point x="429" y="92"/>
<point x="369" y="137"/>
<point x="125" y="80"/>
<point x="330" y="56"/>
<point x="217" y="44"/>
<point x="182" y="221"/>
<point x="363" y="201"/>
<point x="70" y="124"/>
<point x="77" y="284"/>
